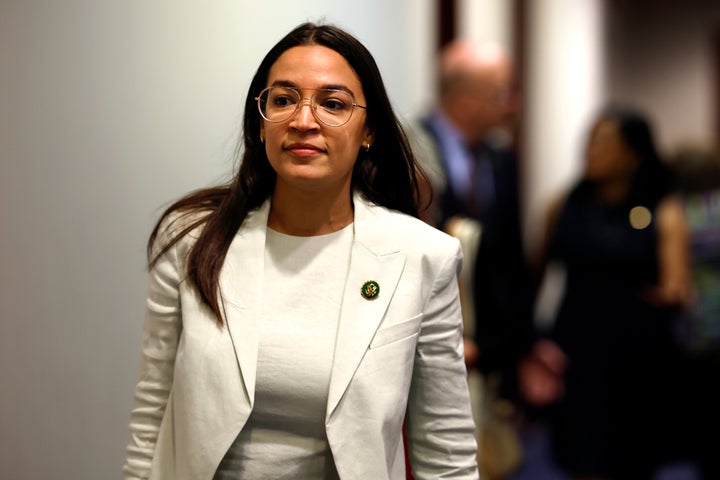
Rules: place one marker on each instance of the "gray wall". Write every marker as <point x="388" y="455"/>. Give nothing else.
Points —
<point x="663" y="60"/>
<point x="109" y="110"/>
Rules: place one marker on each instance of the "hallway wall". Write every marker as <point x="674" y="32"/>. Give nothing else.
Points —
<point x="109" y="110"/>
<point x="563" y="86"/>
<point x="663" y="60"/>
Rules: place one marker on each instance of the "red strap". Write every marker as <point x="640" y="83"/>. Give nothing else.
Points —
<point x="408" y="467"/>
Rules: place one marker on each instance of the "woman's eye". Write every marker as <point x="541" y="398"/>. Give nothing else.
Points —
<point x="282" y="101"/>
<point x="333" y="104"/>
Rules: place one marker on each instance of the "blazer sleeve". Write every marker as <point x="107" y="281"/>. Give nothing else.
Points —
<point x="161" y="333"/>
<point x="440" y="427"/>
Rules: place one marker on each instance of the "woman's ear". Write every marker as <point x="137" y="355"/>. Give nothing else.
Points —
<point x="368" y="139"/>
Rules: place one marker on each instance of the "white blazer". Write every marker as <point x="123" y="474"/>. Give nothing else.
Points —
<point x="399" y="358"/>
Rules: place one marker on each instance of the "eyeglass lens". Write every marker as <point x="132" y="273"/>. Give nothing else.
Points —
<point x="332" y="107"/>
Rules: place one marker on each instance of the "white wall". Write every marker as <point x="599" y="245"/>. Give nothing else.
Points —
<point x="663" y="61"/>
<point x="565" y="85"/>
<point x="487" y="21"/>
<point x="109" y="110"/>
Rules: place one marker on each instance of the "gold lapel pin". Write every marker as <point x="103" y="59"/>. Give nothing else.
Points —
<point x="370" y="290"/>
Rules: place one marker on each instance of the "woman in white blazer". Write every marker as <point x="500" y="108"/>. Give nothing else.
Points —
<point x="300" y="316"/>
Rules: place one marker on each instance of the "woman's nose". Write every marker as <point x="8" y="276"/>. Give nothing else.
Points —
<point x="304" y="118"/>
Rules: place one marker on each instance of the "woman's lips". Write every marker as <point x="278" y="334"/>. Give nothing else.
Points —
<point x="304" y="149"/>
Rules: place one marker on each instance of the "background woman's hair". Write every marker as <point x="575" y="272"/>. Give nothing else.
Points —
<point x="653" y="179"/>
<point x="387" y="174"/>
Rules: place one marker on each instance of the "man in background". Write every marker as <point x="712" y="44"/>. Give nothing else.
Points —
<point x="474" y="171"/>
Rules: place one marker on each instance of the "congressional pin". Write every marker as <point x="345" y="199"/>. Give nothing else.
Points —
<point x="370" y="290"/>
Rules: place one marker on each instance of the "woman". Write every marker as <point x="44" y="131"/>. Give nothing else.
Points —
<point x="299" y="315"/>
<point x="609" y="359"/>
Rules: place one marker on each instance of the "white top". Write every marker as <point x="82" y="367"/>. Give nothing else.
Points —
<point x="303" y="282"/>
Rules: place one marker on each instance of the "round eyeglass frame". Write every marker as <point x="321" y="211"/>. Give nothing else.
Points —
<point x="313" y="106"/>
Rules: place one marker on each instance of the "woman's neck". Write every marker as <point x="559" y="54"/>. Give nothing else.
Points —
<point x="613" y="192"/>
<point x="306" y="214"/>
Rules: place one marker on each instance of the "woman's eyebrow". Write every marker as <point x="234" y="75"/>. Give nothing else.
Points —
<point x="327" y="86"/>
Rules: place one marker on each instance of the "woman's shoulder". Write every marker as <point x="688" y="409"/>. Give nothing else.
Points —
<point x="411" y="232"/>
<point x="183" y="221"/>
<point x="178" y="230"/>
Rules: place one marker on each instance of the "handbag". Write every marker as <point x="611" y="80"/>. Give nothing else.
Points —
<point x="500" y="451"/>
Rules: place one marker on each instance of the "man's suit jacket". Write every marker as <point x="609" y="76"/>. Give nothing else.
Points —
<point x="197" y="379"/>
<point x="502" y="288"/>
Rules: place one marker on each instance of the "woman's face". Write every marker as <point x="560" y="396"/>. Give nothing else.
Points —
<point x="305" y="153"/>
<point x="608" y="157"/>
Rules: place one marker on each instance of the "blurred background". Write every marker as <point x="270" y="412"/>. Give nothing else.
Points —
<point x="109" y="110"/>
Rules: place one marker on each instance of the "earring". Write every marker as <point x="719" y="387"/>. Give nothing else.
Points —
<point x="367" y="147"/>
<point x="262" y="139"/>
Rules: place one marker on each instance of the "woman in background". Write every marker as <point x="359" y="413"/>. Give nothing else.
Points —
<point x="609" y="361"/>
<point x="299" y="315"/>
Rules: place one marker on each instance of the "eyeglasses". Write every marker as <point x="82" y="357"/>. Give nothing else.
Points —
<point x="331" y="107"/>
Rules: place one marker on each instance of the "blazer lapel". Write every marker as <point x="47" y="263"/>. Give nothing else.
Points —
<point x="241" y="293"/>
<point x="372" y="258"/>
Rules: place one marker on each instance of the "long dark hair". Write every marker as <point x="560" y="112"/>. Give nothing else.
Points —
<point x="387" y="175"/>
<point x="653" y="179"/>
